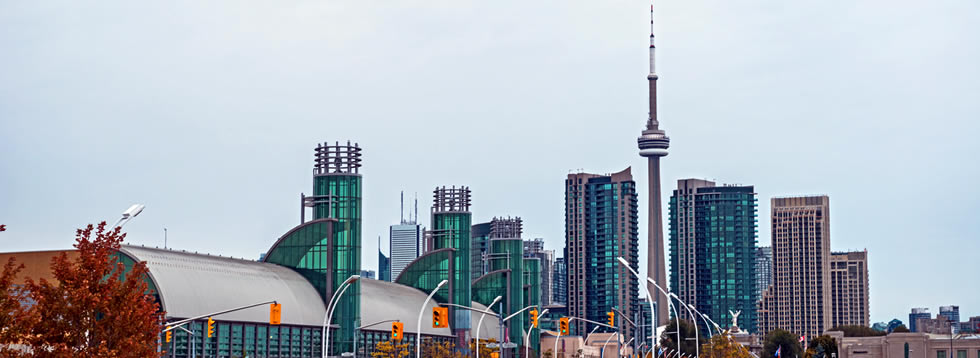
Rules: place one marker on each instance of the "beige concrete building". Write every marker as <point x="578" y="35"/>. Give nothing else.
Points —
<point x="849" y="289"/>
<point x="799" y="299"/>
<point x="907" y="345"/>
<point x="568" y="346"/>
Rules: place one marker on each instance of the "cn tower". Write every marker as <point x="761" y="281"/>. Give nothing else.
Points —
<point x="653" y="144"/>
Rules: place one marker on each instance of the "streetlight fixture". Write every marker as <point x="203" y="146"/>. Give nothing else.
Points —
<point x="127" y="215"/>
<point x="480" y="323"/>
<point x="653" y="337"/>
<point x="325" y="334"/>
<point x="418" y="332"/>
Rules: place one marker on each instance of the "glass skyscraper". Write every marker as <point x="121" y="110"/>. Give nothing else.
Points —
<point x="601" y="224"/>
<point x="713" y="249"/>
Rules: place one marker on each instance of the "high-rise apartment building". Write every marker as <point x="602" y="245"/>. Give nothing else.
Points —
<point x="917" y="313"/>
<point x="799" y="299"/>
<point x="405" y="246"/>
<point x="559" y="285"/>
<point x="713" y="249"/>
<point x="535" y="249"/>
<point x="600" y="225"/>
<point x="849" y="289"/>
<point x="763" y="269"/>
<point x="951" y="313"/>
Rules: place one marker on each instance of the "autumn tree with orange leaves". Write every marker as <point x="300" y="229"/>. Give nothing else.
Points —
<point x="91" y="311"/>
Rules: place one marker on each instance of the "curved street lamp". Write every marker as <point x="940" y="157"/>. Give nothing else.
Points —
<point x="418" y="336"/>
<point x="480" y="323"/>
<point x="653" y="337"/>
<point x="697" y="341"/>
<point x="527" y="338"/>
<point x="676" y="314"/>
<point x="325" y="334"/>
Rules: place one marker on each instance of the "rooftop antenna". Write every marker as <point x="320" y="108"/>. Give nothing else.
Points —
<point x="416" y="219"/>
<point x="165" y="238"/>
<point x="401" y="215"/>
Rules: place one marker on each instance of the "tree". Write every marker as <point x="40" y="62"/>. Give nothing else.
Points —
<point x="822" y="347"/>
<point x="777" y="339"/>
<point x="440" y="350"/>
<point x="687" y="331"/>
<point x="722" y="346"/>
<point x="15" y="318"/>
<point x="93" y="310"/>
<point x="858" y="331"/>
<point x="390" y="350"/>
<point x="484" y="350"/>
<point x="901" y="329"/>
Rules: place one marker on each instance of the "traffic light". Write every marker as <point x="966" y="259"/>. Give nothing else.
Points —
<point x="275" y="313"/>
<point x="494" y="355"/>
<point x="439" y="317"/>
<point x="563" y="326"/>
<point x="612" y="318"/>
<point x="534" y="318"/>
<point x="210" y="327"/>
<point x="396" y="331"/>
<point x="169" y="335"/>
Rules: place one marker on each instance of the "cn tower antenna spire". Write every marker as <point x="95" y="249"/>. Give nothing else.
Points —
<point x="652" y="123"/>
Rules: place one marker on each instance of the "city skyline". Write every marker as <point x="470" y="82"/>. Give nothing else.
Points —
<point x="190" y="138"/>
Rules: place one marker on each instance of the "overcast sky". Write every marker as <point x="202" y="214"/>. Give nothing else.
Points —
<point x="207" y="112"/>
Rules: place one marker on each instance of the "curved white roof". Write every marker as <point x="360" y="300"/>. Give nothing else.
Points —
<point x="490" y="327"/>
<point x="382" y="300"/>
<point x="193" y="284"/>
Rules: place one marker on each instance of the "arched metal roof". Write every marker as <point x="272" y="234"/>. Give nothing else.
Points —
<point x="193" y="284"/>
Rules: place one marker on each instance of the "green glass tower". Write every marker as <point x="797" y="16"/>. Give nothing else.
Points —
<point x="508" y="254"/>
<point x="451" y="221"/>
<point x="713" y="233"/>
<point x="327" y="249"/>
<point x="532" y="297"/>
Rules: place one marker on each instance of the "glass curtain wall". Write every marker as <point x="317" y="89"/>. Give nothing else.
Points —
<point x="508" y="254"/>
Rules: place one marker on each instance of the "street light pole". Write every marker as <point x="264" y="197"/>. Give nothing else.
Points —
<point x="325" y="334"/>
<point x="527" y="338"/>
<point x="418" y="333"/>
<point x="653" y="338"/>
<point x="480" y="323"/>
<point x="676" y="313"/>
<point x="697" y="342"/>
